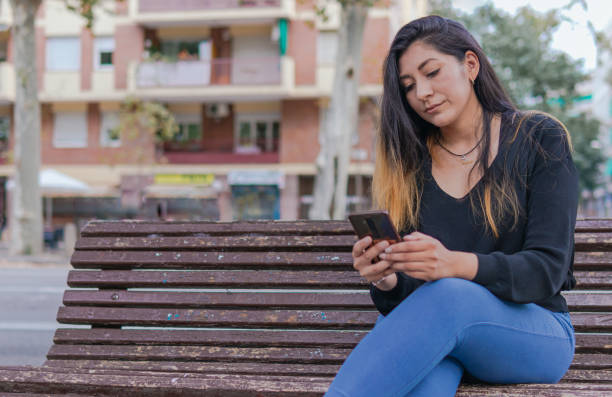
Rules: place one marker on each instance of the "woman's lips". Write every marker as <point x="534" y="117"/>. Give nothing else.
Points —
<point x="433" y="108"/>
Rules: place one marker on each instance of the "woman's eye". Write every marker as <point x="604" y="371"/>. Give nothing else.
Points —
<point x="432" y="74"/>
<point x="408" y="87"/>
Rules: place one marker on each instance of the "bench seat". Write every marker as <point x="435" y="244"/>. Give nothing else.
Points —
<point x="255" y="309"/>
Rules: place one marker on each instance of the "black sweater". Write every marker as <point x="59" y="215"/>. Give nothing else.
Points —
<point x="531" y="262"/>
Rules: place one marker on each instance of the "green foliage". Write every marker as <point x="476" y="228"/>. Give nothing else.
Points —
<point x="137" y="117"/>
<point x="85" y="8"/>
<point x="535" y="75"/>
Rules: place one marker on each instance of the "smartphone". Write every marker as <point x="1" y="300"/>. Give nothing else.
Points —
<point x="375" y="224"/>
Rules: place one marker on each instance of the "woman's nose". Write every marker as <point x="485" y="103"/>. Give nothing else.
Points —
<point x="423" y="90"/>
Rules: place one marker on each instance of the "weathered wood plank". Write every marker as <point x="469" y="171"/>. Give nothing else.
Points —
<point x="593" y="280"/>
<point x="592" y="361"/>
<point x="169" y="228"/>
<point x="577" y="301"/>
<point x="331" y="319"/>
<point x="225" y="243"/>
<point x="129" y="227"/>
<point x="595" y="260"/>
<point x="246" y="368"/>
<point x="583" y="242"/>
<point x="258" y="279"/>
<point x="585" y="343"/>
<point x="211" y="260"/>
<point x="522" y="390"/>
<point x="592" y="322"/>
<point x="131" y="384"/>
<point x="594" y="225"/>
<point x="218" y="279"/>
<point x="211" y="337"/>
<point x="589" y="301"/>
<point x="593" y="241"/>
<point x="313" y="355"/>
<point x="241" y="300"/>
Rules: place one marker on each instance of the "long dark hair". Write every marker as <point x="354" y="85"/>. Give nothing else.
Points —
<point x="404" y="136"/>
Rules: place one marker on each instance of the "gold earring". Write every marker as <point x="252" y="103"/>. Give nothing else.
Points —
<point x="471" y="80"/>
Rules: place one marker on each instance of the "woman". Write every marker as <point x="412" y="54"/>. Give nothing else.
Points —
<point x="486" y="199"/>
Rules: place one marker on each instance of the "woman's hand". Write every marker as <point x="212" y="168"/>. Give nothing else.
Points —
<point x="362" y="262"/>
<point x="425" y="258"/>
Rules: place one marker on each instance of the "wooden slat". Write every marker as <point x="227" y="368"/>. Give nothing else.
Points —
<point x="522" y="390"/>
<point x="124" y="228"/>
<point x="213" y="337"/>
<point x="585" y="343"/>
<point x="211" y="260"/>
<point x="298" y="355"/>
<point x="577" y="301"/>
<point x="589" y="301"/>
<point x="218" y="318"/>
<point x="231" y="243"/>
<point x="595" y="261"/>
<point x="136" y="386"/>
<point x="592" y="361"/>
<point x="169" y="228"/>
<point x="242" y="300"/>
<point x="592" y="322"/>
<point x="594" y="225"/>
<point x="593" y="241"/>
<point x="313" y="355"/>
<point x="593" y="280"/>
<point x="218" y="279"/>
<point x="297" y="370"/>
<point x="258" y="279"/>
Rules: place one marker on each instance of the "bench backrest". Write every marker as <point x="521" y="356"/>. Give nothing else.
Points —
<point x="279" y="298"/>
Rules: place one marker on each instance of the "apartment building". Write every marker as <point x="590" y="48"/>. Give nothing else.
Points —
<point x="246" y="80"/>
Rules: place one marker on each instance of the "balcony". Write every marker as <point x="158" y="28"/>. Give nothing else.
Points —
<point x="217" y="80"/>
<point x="156" y="13"/>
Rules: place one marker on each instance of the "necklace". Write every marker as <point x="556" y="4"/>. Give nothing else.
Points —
<point x="463" y="156"/>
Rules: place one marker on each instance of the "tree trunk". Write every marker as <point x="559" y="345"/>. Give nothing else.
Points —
<point x="347" y="113"/>
<point x="26" y="225"/>
<point x="341" y="117"/>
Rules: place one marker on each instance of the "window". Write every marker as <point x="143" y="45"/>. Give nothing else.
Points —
<point x="70" y="130"/>
<point x="63" y="54"/>
<point x="189" y="135"/>
<point x="257" y="133"/>
<point x="3" y="50"/>
<point x="104" y="47"/>
<point x="4" y="134"/>
<point x="110" y="121"/>
<point x="327" y="46"/>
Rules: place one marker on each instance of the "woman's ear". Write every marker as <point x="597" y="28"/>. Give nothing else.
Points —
<point x="472" y="65"/>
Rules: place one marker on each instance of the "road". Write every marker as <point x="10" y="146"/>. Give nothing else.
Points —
<point x="29" y="299"/>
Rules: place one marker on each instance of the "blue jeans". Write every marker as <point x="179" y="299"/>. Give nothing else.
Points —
<point x="449" y="326"/>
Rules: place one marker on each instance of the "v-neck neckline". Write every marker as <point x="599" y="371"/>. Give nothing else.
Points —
<point x="502" y="135"/>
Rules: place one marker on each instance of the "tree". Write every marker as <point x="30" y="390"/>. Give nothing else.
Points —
<point x="26" y="222"/>
<point x="340" y="118"/>
<point x="535" y="75"/>
<point x="26" y="225"/>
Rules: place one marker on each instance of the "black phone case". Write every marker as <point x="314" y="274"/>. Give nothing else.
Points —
<point x="376" y="224"/>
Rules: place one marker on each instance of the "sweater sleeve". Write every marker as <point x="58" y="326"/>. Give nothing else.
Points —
<point x="385" y="301"/>
<point x="539" y="270"/>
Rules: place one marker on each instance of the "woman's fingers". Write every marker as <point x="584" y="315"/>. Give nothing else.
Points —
<point x="374" y="271"/>
<point x="361" y="245"/>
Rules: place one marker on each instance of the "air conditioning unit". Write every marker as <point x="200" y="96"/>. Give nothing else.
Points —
<point x="217" y="110"/>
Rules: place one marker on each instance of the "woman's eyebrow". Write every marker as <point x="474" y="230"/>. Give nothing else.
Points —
<point x="421" y="66"/>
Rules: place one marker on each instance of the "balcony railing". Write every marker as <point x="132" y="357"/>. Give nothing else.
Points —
<point x="229" y="71"/>
<point x="202" y="5"/>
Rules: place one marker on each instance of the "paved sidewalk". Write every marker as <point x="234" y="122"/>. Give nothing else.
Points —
<point x="49" y="258"/>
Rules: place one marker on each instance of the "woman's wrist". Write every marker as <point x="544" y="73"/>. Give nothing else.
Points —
<point x="388" y="283"/>
<point x="464" y="265"/>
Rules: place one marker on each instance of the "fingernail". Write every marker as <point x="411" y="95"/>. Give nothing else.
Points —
<point x="382" y="256"/>
<point x="384" y="244"/>
<point x="409" y="237"/>
<point x="388" y="250"/>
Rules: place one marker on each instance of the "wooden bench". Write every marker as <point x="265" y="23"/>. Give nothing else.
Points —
<point x="254" y="309"/>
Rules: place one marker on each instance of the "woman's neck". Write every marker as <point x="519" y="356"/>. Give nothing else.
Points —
<point x="466" y="130"/>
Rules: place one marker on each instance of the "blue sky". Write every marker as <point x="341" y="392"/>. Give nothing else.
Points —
<point x="575" y="38"/>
